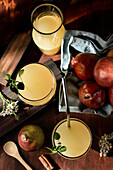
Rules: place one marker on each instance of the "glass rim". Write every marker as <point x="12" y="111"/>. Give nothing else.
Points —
<point x="53" y="141"/>
<point x="46" y="4"/>
<point x="53" y="76"/>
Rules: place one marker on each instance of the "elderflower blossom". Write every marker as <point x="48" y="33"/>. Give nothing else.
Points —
<point x="105" y="145"/>
<point x="9" y="107"/>
<point x="13" y="106"/>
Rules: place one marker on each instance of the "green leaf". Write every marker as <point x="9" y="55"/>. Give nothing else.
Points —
<point x="54" y="148"/>
<point x="14" y="82"/>
<point x="62" y="149"/>
<point x="56" y="136"/>
<point x="8" y="76"/>
<point x="53" y="152"/>
<point x="21" y="72"/>
<point x="48" y="148"/>
<point x="15" y="85"/>
<point x="57" y="147"/>
<point x="20" y="86"/>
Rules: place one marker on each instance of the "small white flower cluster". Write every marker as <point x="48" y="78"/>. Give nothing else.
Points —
<point x="9" y="108"/>
<point x="105" y="145"/>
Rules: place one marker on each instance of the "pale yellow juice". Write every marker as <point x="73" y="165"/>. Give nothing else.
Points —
<point x="77" y="138"/>
<point x="48" y="22"/>
<point x="39" y="83"/>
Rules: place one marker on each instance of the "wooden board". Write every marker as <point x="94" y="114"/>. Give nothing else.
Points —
<point x="13" y="54"/>
<point x="8" y="123"/>
<point x="26" y="111"/>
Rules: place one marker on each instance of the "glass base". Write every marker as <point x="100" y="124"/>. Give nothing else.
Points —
<point x="77" y="138"/>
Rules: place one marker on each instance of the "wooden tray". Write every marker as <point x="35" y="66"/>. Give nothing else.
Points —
<point x="8" y="123"/>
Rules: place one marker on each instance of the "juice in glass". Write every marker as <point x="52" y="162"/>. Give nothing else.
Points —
<point x="77" y="138"/>
<point x="48" y="29"/>
<point x="39" y="84"/>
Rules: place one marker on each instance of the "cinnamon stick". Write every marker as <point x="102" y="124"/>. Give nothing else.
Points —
<point x="45" y="162"/>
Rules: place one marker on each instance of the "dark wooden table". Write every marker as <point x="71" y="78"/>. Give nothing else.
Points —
<point x="95" y="17"/>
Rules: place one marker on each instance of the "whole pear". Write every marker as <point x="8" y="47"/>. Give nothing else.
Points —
<point x="31" y="137"/>
<point x="103" y="72"/>
<point x="83" y="64"/>
<point x="92" y="95"/>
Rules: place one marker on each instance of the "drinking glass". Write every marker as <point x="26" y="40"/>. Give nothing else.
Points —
<point x="48" y="28"/>
<point x="77" y="138"/>
<point x="39" y="84"/>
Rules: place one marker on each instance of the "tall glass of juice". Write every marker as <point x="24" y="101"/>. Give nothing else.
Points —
<point x="39" y="84"/>
<point x="48" y="28"/>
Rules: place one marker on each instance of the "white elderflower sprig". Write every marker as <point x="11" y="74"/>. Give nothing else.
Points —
<point x="9" y="107"/>
<point x="105" y="145"/>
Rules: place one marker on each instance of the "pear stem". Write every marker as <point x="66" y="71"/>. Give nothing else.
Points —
<point x="25" y="137"/>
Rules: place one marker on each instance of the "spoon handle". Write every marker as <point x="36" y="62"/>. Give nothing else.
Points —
<point x="66" y="101"/>
<point x="19" y="158"/>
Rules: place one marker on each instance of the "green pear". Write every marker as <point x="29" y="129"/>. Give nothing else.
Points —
<point x="31" y="137"/>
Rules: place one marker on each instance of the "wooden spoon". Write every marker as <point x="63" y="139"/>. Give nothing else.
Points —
<point x="11" y="149"/>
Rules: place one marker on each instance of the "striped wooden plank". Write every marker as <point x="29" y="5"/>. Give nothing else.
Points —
<point x="13" y="54"/>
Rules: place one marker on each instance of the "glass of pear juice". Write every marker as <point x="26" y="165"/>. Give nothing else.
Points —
<point x="39" y="84"/>
<point x="48" y="29"/>
<point x="77" y="138"/>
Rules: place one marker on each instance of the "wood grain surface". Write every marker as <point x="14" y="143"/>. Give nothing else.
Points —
<point x="26" y="111"/>
<point x="13" y="54"/>
<point x="93" y="16"/>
